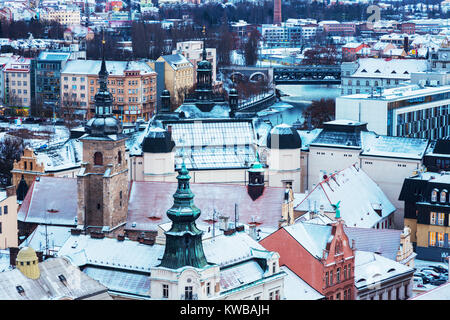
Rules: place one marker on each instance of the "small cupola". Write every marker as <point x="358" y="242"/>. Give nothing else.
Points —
<point x="283" y="136"/>
<point x="158" y="140"/>
<point x="27" y="262"/>
<point x="255" y="186"/>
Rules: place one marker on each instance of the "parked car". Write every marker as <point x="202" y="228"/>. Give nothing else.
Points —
<point x="439" y="269"/>
<point x="418" y="281"/>
<point x="430" y="273"/>
<point x="438" y="281"/>
<point x="425" y="278"/>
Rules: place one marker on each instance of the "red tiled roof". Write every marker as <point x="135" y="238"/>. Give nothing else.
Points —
<point x="50" y="200"/>
<point x="149" y="202"/>
<point x="153" y="199"/>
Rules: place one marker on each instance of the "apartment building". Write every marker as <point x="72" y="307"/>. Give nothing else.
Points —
<point x="192" y="50"/>
<point x="68" y="17"/>
<point x="48" y="68"/>
<point x="178" y="75"/>
<point x="17" y="84"/>
<point x="132" y="84"/>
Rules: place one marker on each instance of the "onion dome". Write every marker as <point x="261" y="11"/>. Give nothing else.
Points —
<point x="283" y="136"/>
<point x="158" y="140"/>
<point x="27" y="262"/>
<point x="103" y="126"/>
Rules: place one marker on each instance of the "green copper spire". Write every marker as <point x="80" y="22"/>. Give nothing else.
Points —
<point x="184" y="240"/>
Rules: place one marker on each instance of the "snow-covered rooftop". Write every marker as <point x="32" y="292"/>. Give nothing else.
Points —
<point x="115" y="68"/>
<point x="389" y="68"/>
<point x="372" y="268"/>
<point x="342" y="187"/>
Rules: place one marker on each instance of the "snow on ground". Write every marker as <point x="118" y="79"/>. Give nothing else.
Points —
<point x="57" y="134"/>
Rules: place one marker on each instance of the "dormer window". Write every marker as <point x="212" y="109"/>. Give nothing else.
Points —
<point x="434" y="194"/>
<point x="443" y="196"/>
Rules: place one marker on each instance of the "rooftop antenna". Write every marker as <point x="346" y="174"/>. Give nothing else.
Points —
<point x="236" y="215"/>
<point x="214" y="224"/>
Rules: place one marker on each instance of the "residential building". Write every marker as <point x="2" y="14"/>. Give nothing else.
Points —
<point x="350" y="50"/>
<point x="437" y="157"/>
<point x="329" y="260"/>
<point x="427" y="214"/>
<point x="193" y="50"/>
<point x="365" y="75"/>
<point x="336" y="28"/>
<point x="48" y="75"/>
<point x="17" y="84"/>
<point x="65" y="17"/>
<point x="52" y="279"/>
<point x="321" y="255"/>
<point x="131" y="83"/>
<point x="379" y="278"/>
<point x="409" y="111"/>
<point x="178" y="75"/>
<point x="8" y="218"/>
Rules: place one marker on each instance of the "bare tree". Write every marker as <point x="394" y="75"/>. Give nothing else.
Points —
<point x="68" y="112"/>
<point x="11" y="149"/>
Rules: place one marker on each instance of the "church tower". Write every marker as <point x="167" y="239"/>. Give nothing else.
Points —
<point x="103" y="177"/>
<point x="184" y="240"/>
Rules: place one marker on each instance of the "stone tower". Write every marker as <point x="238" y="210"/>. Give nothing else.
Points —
<point x="103" y="177"/>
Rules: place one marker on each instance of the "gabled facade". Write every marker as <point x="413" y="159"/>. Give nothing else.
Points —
<point x="320" y="255"/>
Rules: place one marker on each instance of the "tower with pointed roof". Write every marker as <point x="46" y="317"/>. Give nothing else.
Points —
<point x="183" y="240"/>
<point x="103" y="177"/>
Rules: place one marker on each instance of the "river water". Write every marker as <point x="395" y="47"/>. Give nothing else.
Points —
<point x="299" y="97"/>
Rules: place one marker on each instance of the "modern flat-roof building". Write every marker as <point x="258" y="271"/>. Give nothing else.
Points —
<point x="409" y="111"/>
<point x="48" y="75"/>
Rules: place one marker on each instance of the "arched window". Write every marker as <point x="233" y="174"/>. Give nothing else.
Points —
<point x="443" y="195"/>
<point x="357" y="82"/>
<point x="98" y="159"/>
<point x="434" y="194"/>
<point x="119" y="157"/>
